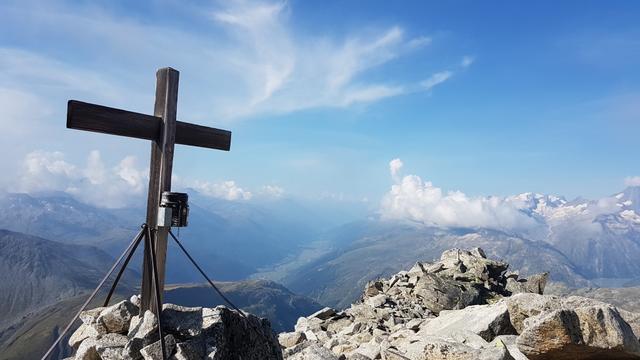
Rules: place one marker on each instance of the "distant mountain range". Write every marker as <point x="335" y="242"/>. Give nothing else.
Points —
<point x="581" y="243"/>
<point x="235" y="238"/>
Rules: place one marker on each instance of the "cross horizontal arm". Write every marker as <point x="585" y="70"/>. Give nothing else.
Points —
<point x="107" y="120"/>
<point x="202" y="136"/>
<point x="103" y="119"/>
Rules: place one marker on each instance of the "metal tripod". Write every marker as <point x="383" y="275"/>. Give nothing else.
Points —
<point x="144" y="233"/>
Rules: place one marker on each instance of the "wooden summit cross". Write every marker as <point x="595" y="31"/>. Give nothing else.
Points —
<point x="164" y="131"/>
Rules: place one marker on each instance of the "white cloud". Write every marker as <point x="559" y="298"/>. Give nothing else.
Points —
<point x="272" y="191"/>
<point x="394" y="167"/>
<point x="95" y="183"/>
<point x="413" y="199"/>
<point x="247" y="60"/>
<point x="436" y="79"/>
<point x="441" y="76"/>
<point x="283" y="72"/>
<point x="23" y="113"/>
<point x="31" y="73"/>
<point x="632" y="181"/>
<point x="118" y="186"/>
<point x="46" y="171"/>
<point x="467" y="61"/>
<point x="127" y="171"/>
<point x="419" y="42"/>
<point x="227" y="190"/>
<point x="370" y="94"/>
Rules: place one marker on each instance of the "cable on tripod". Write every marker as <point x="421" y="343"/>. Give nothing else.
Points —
<point x="136" y="240"/>
<point x="205" y="275"/>
<point x="259" y="333"/>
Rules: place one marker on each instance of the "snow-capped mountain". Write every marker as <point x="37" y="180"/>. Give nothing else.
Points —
<point x="601" y="237"/>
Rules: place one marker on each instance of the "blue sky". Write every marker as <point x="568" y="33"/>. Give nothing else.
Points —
<point x="487" y="98"/>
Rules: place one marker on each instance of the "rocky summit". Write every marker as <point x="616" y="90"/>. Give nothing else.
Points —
<point x="465" y="307"/>
<point x="190" y="333"/>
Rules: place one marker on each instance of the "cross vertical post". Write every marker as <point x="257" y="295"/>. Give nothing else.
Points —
<point x="160" y="168"/>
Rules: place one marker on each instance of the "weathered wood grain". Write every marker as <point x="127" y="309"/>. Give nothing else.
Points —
<point x="160" y="179"/>
<point x="202" y="136"/>
<point x="108" y="120"/>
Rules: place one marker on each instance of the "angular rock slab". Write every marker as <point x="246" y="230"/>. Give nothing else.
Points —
<point x="533" y="284"/>
<point x="111" y="347"/>
<point x="434" y="347"/>
<point x="182" y="321"/>
<point x="595" y="332"/>
<point x="116" y="318"/>
<point x="154" y="351"/>
<point x="523" y="306"/>
<point x="83" y="332"/>
<point x="194" y="349"/>
<point x="437" y="293"/>
<point x="487" y="321"/>
<point x="291" y="339"/>
<point x="312" y="351"/>
<point x="230" y="335"/>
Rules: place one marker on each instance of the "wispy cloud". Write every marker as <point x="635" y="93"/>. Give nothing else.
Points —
<point x="436" y="79"/>
<point x="272" y="191"/>
<point x="227" y="190"/>
<point x="283" y="73"/>
<point x="255" y="63"/>
<point x="466" y="61"/>
<point x="632" y="181"/>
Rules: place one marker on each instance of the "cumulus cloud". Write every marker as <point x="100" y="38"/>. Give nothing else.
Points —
<point x="227" y="190"/>
<point x="394" y="167"/>
<point x="116" y="186"/>
<point x="416" y="200"/>
<point x="632" y="181"/>
<point x="46" y="171"/>
<point x="93" y="183"/>
<point x="273" y="191"/>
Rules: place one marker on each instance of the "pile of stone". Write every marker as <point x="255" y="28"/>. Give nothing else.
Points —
<point x="190" y="333"/>
<point x="464" y="306"/>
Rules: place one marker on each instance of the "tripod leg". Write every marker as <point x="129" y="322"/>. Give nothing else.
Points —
<point x="93" y="294"/>
<point x="124" y="265"/>
<point x="157" y="290"/>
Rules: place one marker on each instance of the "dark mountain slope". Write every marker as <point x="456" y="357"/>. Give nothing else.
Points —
<point x="35" y="272"/>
